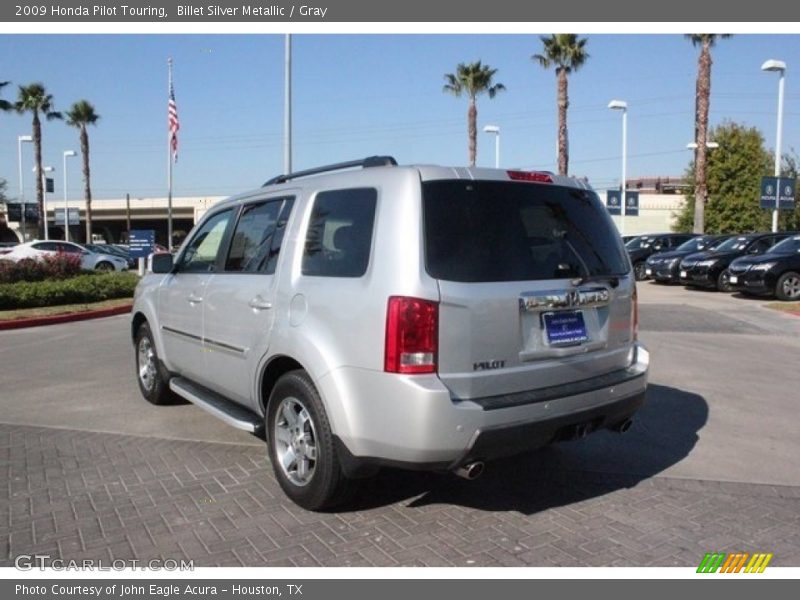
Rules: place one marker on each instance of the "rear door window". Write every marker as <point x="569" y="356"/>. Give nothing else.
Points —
<point x="481" y="231"/>
<point x="255" y="243"/>
<point x="339" y="235"/>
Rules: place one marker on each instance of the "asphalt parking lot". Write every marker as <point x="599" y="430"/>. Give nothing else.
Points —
<point x="90" y="470"/>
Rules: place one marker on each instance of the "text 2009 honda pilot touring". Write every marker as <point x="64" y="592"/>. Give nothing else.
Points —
<point x="369" y="314"/>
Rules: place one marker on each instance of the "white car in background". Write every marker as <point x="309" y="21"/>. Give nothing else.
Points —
<point x="89" y="260"/>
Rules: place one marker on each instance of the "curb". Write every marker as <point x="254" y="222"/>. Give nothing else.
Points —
<point x="66" y="318"/>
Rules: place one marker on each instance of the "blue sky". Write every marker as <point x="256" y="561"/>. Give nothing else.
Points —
<point x="357" y="95"/>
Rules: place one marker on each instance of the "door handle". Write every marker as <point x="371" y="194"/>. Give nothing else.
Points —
<point x="260" y="304"/>
<point x="192" y="299"/>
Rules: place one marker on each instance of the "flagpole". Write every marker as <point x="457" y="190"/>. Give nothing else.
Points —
<point x="169" y="165"/>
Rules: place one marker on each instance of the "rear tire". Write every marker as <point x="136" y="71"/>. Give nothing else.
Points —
<point x="724" y="282"/>
<point x="150" y="375"/>
<point x="788" y="286"/>
<point x="301" y="446"/>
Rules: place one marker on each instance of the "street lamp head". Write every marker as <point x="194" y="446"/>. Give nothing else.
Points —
<point x="70" y="153"/>
<point x="618" y="105"/>
<point x="773" y="65"/>
<point x="45" y="169"/>
<point x="491" y="129"/>
<point x="24" y="138"/>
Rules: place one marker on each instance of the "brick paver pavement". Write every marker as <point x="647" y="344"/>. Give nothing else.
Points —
<point x="76" y="494"/>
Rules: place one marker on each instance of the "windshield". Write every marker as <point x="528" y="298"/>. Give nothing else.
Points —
<point x="788" y="246"/>
<point x="642" y="241"/>
<point x="480" y="231"/>
<point x="699" y="243"/>
<point x="733" y="244"/>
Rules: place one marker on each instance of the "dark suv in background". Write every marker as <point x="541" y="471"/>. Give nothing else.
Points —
<point x="710" y="269"/>
<point x="775" y="272"/>
<point x="664" y="267"/>
<point x="640" y="249"/>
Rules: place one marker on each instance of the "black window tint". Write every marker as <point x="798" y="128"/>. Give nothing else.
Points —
<point x="69" y="248"/>
<point x="47" y="246"/>
<point x="252" y="238"/>
<point x="200" y="255"/>
<point x="504" y="231"/>
<point x="340" y="233"/>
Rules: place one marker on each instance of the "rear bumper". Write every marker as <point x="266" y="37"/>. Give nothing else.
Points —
<point x="413" y="422"/>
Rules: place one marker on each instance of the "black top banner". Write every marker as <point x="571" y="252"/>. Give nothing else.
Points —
<point x="451" y="11"/>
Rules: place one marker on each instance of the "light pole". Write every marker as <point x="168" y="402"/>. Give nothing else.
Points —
<point x="45" y="171"/>
<point x="20" y="140"/>
<point x="66" y="203"/>
<point x="287" y="108"/>
<point x="496" y="131"/>
<point x="623" y="106"/>
<point x="780" y="67"/>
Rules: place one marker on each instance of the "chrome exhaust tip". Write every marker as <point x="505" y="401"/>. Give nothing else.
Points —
<point x="623" y="426"/>
<point x="470" y="471"/>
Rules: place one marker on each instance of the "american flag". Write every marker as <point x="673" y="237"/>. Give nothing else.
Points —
<point x="173" y="123"/>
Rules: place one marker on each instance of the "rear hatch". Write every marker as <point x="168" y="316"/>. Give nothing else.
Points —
<point x="534" y="285"/>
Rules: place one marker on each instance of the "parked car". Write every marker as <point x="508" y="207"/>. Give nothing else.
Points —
<point x="416" y="316"/>
<point x="113" y="250"/>
<point x="710" y="269"/>
<point x="89" y="260"/>
<point x="641" y="248"/>
<point x="777" y="272"/>
<point x="664" y="267"/>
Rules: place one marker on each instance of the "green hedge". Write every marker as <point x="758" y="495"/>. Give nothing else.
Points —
<point x="83" y="288"/>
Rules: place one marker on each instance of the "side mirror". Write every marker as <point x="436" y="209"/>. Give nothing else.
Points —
<point x="162" y="262"/>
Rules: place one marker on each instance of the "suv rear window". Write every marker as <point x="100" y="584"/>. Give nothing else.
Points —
<point x="481" y="231"/>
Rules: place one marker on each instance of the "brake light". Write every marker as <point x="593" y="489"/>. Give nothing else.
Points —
<point x="535" y="176"/>
<point x="635" y="314"/>
<point x="412" y="335"/>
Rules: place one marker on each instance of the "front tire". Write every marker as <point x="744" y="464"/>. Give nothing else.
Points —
<point x="724" y="282"/>
<point x="639" y="271"/>
<point x="301" y="447"/>
<point x="152" y="380"/>
<point x="104" y="266"/>
<point x="788" y="286"/>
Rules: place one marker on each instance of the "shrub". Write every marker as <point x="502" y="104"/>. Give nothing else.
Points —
<point x="90" y="287"/>
<point x="55" y="266"/>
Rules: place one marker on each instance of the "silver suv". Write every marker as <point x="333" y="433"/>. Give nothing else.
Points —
<point x="366" y="314"/>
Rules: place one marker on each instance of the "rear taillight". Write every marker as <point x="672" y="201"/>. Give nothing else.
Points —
<point x="535" y="176"/>
<point x="635" y="314"/>
<point x="412" y="332"/>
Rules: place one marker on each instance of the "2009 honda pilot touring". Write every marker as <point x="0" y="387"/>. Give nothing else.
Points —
<point x="368" y="314"/>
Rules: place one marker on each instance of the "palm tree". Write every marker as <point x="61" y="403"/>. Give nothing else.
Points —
<point x="701" y="107"/>
<point x="34" y="99"/>
<point x="80" y="115"/>
<point x="567" y="53"/>
<point x="5" y="105"/>
<point x="472" y="79"/>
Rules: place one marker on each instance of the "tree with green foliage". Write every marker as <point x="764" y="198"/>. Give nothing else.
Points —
<point x="734" y="175"/>
<point x="81" y="114"/>
<point x="472" y="80"/>
<point x="566" y="53"/>
<point x="34" y="99"/>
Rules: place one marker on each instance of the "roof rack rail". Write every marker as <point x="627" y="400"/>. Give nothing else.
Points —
<point x="370" y="161"/>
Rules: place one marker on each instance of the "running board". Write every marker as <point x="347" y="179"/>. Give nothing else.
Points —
<point x="217" y="405"/>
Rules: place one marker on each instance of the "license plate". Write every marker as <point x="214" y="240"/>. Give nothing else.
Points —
<point x="683" y="274"/>
<point x="734" y="279"/>
<point x="648" y="271"/>
<point x="565" y="328"/>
